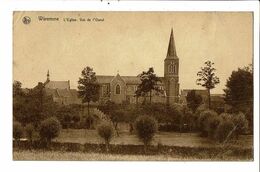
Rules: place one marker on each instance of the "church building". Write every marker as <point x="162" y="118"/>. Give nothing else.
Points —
<point x="121" y="89"/>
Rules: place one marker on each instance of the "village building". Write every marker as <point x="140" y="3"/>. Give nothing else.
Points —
<point x="120" y="89"/>
<point x="61" y="92"/>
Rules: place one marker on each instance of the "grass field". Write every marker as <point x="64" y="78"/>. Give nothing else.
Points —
<point x="80" y="156"/>
<point x="165" y="138"/>
<point x="181" y="140"/>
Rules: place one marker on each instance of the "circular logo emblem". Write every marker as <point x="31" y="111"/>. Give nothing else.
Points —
<point x="26" y="20"/>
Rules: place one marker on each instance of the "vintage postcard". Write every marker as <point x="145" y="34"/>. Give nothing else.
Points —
<point x="133" y="86"/>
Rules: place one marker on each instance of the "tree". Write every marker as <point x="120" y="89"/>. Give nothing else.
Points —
<point x="49" y="129"/>
<point x="207" y="78"/>
<point x="17" y="131"/>
<point x="29" y="130"/>
<point x="193" y="100"/>
<point x="149" y="82"/>
<point x="225" y="131"/>
<point x="116" y="117"/>
<point x="17" y="88"/>
<point x="88" y="86"/>
<point x="105" y="131"/>
<point x="241" y="123"/>
<point x="146" y="127"/>
<point x="239" y="88"/>
<point x="207" y="121"/>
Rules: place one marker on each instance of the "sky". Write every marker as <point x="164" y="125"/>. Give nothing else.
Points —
<point x="129" y="43"/>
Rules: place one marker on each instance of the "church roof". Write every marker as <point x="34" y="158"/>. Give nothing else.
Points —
<point x="127" y="79"/>
<point x="131" y="79"/>
<point x="171" y="53"/>
<point x="63" y="92"/>
<point x="58" y="85"/>
<point x="104" y="78"/>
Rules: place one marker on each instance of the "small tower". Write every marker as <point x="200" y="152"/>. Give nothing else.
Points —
<point x="171" y="72"/>
<point x="48" y="76"/>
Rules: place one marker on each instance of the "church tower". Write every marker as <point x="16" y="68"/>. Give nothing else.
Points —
<point x="171" y="72"/>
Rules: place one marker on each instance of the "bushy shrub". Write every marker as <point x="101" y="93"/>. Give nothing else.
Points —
<point x="225" y="130"/>
<point x="49" y="129"/>
<point x="212" y="126"/>
<point x="17" y="130"/>
<point x="241" y="123"/>
<point x="89" y="121"/>
<point x="146" y="128"/>
<point x="29" y="130"/>
<point x="106" y="131"/>
<point x="204" y="119"/>
<point x="226" y="116"/>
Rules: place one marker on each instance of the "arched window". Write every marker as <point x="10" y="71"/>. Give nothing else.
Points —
<point x="118" y="89"/>
<point x="175" y="69"/>
<point x="171" y="68"/>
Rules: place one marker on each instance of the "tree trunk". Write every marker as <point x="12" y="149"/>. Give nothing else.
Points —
<point x="88" y="108"/>
<point x="107" y="146"/>
<point x="131" y="128"/>
<point x="145" y="148"/>
<point x="115" y="126"/>
<point x="209" y="100"/>
<point x="150" y="97"/>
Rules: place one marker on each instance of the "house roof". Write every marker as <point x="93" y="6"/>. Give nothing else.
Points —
<point x="58" y="85"/>
<point x="63" y="92"/>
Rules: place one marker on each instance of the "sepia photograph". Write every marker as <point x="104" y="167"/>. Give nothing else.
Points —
<point x="133" y="86"/>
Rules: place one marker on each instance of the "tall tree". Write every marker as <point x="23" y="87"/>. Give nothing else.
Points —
<point x="207" y="78"/>
<point x="88" y="86"/>
<point x="31" y="105"/>
<point x="149" y="82"/>
<point x="193" y="100"/>
<point x="239" y="88"/>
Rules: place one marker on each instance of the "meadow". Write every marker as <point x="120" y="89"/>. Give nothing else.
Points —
<point x="166" y="138"/>
<point x="127" y="147"/>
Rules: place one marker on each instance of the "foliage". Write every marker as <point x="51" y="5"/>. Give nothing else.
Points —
<point x="17" y="88"/>
<point x="88" y="88"/>
<point x="106" y="131"/>
<point x="146" y="128"/>
<point x="207" y="78"/>
<point x="89" y="120"/>
<point x="32" y="105"/>
<point x="29" y="130"/>
<point x="206" y="123"/>
<point x="193" y="100"/>
<point x="117" y="117"/>
<point x="17" y="130"/>
<point x="225" y="130"/>
<point x="212" y="126"/>
<point x="239" y="89"/>
<point x="221" y="127"/>
<point x="241" y="123"/>
<point x="149" y="82"/>
<point x="68" y="115"/>
<point x="49" y="129"/>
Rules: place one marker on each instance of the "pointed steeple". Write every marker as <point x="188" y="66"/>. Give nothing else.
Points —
<point x="171" y="53"/>
<point x="48" y="76"/>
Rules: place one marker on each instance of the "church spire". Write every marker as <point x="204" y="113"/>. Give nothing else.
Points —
<point x="48" y="76"/>
<point x="171" y="53"/>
